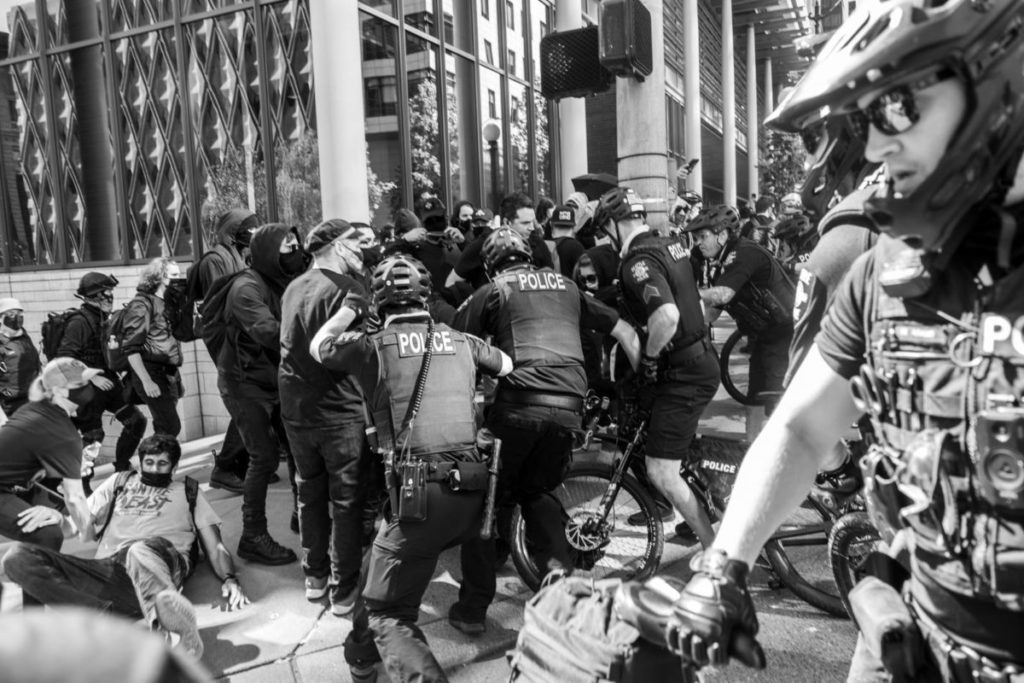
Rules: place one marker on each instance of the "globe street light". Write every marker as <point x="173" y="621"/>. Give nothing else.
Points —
<point x="492" y="133"/>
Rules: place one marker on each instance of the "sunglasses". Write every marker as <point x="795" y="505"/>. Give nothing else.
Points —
<point x="590" y="279"/>
<point x="895" y="111"/>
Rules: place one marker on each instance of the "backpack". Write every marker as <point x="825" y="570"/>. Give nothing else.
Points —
<point x="113" y="338"/>
<point x="214" y="314"/>
<point x="53" y="330"/>
<point x="191" y="495"/>
<point x="186" y="323"/>
<point x="572" y="634"/>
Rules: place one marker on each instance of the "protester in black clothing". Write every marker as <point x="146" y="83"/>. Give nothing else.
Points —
<point x="154" y="355"/>
<point x="323" y="415"/>
<point x="565" y="249"/>
<point x="535" y="316"/>
<point x="83" y="339"/>
<point x="753" y="287"/>
<point x="462" y="216"/>
<point x="480" y="221"/>
<point x="517" y="212"/>
<point x="441" y="435"/>
<point x="247" y="369"/>
<point x="41" y="436"/>
<point x="19" y="359"/>
<point x="228" y="255"/>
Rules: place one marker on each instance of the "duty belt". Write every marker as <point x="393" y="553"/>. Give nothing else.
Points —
<point x="536" y="398"/>
<point x="687" y="353"/>
<point x="966" y="665"/>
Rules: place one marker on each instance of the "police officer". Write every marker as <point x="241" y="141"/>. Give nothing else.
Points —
<point x="419" y="382"/>
<point x="678" y="368"/>
<point x="534" y="315"/>
<point x="794" y="237"/>
<point x="932" y="309"/>
<point x="751" y="285"/>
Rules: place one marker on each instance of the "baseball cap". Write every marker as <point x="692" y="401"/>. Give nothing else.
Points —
<point x="432" y="207"/>
<point x="482" y="216"/>
<point x="563" y="217"/>
<point x="93" y="283"/>
<point x="405" y="220"/>
<point x="9" y="304"/>
<point x="66" y="372"/>
<point x="328" y="231"/>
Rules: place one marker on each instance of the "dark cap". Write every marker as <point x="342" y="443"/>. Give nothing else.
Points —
<point x="405" y="220"/>
<point x="328" y="231"/>
<point x="431" y="207"/>
<point x="93" y="283"/>
<point x="482" y="216"/>
<point x="563" y="217"/>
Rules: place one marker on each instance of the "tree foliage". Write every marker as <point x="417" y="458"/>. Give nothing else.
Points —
<point x="782" y="169"/>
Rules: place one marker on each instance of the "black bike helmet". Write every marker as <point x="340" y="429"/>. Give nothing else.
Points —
<point x="400" y="280"/>
<point x="716" y="218"/>
<point x="835" y="164"/>
<point x="505" y="246"/>
<point x="798" y="231"/>
<point x="885" y="45"/>
<point x="619" y="204"/>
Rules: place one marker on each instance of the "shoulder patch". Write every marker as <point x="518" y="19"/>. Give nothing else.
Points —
<point x="677" y="251"/>
<point x="349" y="336"/>
<point x="803" y="293"/>
<point x="640" y="271"/>
<point x="650" y="292"/>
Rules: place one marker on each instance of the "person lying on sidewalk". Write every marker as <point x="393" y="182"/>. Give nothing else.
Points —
<point x="148" y="528"/>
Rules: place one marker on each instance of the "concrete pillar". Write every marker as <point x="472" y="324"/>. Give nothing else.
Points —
<point x="728" y="107"/>
<point x="341" y="129"/>
<point x="691" y="85"/>
<point x="845" y="9"/>
<point x="642" y="129"/>
<point x="769" y="87"/>
<point x="572" y="111"/>
<point x="753" y="116"/>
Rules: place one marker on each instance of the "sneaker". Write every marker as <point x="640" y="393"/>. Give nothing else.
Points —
<point x="229" y="481"/>
<point x="461" y="623"/>
<point x="263" y="549"/>
<point x="342" y="605"/>
<point x="640" y="519"/>
<point x="176" y="614"/>
<point x="316" y="587"/>
<point x="695" y="561"/>
<point x="684" y="532"/>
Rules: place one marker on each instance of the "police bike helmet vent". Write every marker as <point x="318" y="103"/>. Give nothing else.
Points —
<point x="400" y="280"/>
<point x="716" y="218"/>
<point x="901" y="43"/>
<point x="505" y="245"/>
<point x="619" y="204"/>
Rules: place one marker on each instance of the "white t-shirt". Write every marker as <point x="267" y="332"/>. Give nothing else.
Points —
<point x="144" y="512"/>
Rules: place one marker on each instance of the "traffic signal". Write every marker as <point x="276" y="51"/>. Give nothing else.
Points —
<point x="625" y="28"/>
<point x="569" y="64"/>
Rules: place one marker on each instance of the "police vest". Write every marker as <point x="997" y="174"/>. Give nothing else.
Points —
<point x="944" y="378"/>
<point x="446" y="420"/>
<point x="675" y="263"/>
<point x="757" y="308"/>
<point x="538" y="326"/>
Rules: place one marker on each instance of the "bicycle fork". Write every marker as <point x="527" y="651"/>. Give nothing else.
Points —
<point x="612" y="492"/>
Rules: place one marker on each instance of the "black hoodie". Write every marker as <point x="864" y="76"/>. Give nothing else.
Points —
<point x="252" y="351"/>
<point x="223" y="258"/>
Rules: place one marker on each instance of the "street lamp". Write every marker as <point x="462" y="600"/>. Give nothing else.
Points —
<point x="492" y="133"/>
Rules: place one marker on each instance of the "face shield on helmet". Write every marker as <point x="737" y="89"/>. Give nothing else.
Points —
<point x="885" y="50"/>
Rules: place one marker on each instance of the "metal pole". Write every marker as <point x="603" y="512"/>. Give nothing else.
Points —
<point x="495" y="192"/>
<point x="753" y="117"/>
<point x="728" y="107"/>
<point x="691" y="47"/>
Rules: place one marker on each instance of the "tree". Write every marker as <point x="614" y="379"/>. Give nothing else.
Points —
<point x="782" y="168"/>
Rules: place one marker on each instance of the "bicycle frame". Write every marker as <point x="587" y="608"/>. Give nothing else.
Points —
<point x="612" y="492"/>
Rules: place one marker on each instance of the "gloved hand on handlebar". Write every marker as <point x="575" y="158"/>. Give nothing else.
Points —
<point x="714" y="617"/>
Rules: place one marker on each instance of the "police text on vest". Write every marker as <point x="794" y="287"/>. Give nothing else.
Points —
<point x="415" y="343"/>
<point x="540" y="281"/>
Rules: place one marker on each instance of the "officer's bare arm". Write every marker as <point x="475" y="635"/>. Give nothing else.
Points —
<point x="661" y="325"/>
<point x="793" y="446"/>
<point x="78" y="507"/>
<point x="335" y="325"/>
<point x="717" y="296"/>
<point x="628" y="340"/>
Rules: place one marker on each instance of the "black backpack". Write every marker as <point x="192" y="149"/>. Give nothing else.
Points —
<point x="214" y="314"/>
<point x="53" y="330"/>
<point x="113" y="338"/>
<point x="186" y="320"/>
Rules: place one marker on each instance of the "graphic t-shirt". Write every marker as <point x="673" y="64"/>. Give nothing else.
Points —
<point x="143" y="512"/>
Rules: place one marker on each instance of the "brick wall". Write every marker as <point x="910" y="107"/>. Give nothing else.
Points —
<point x="201" y="410"/>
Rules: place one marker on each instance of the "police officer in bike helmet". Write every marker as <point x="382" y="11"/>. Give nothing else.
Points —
<point x="419" y="380"/>
<point x="751" y="285"/>
<point x="534" y="315"/>
<point x="678" y="369"/>
<point x="795" y="237"/>
<point x="935" y="309"/>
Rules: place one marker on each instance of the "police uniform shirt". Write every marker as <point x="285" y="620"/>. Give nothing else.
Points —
<point x="844" y="343"/>
<point x="647" y="285"/>
<point x="747" y="262"/>
<point x="544" y="340"/>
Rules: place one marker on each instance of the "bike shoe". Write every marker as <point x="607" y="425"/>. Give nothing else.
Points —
<point x="263" y="549"/>
<point x="640" y="518"/>
<point x="461" y="623"/>
<point x="684" y="532"/>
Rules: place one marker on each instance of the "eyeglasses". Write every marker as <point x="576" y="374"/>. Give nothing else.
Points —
<point x="895" y="111"/>
<point x="590" y="279"/>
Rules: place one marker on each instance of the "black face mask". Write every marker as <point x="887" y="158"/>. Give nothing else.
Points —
<point x="158" y="479"/>
<point x="82" y="396"/>
<point x="293" y="263"/>
<point x="466" y="224"/>
<point x="372" y="256"/>
<point x="14" y="322"/>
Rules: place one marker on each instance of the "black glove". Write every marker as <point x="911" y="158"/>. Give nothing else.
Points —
<point x="647" y="373"/>
<point x="714" y="617"/>
<point x="357" y="302"/>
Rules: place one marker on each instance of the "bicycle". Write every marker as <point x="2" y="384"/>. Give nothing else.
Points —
<point x="734" y="361"/>
<point x="603" y="543"/>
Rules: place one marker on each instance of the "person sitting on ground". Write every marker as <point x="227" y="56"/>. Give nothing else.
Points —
<point x="147" y="527"/>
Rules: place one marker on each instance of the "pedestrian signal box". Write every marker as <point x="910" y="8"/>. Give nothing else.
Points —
<point x="569" y="64"/>
<point x="625" y="33"/>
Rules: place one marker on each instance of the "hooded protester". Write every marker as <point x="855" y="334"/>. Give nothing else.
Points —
<point x="247" y="368"/>
<point x="19" y="359"/>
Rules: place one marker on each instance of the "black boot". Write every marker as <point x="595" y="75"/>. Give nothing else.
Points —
<point x="263" y="549"/>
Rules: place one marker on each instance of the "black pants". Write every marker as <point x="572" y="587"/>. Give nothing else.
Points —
<point x="402" y="563"/>
<point x="536" y="447"/>
<point x="163" y="408"/>
<point x="769" y="360"/>
<point x="232" y="456"/>
<point x="89" y="421"/>
<point x="11" y="506"/>
<point x="332" y="475"/>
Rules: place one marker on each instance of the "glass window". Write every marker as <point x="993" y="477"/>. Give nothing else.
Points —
<point x="458" y="23"/>
<point x="420" y="14"/>
<point x="464" y="141"/>
<point x="512" y="62"/>
<point x="189" y="7"/>
<point x="69" y="21"/>
<point x="381" y="95"/>
<point x="515" y="31"/>
<point x="387" y="6"/>
<point x="487" y="29"/>
<point x="519" y="132"/>
<point x="485" y="9"/>
<point x="492" y="105"/>
<point x="489" y="52"/>
<point x="424" y="116"/>
<point x="384" y="165"/>
<point x="540" y="16"/>
<point x="18" y="19"/>
<point x="510" y="16"/>
<point x="129" y="14"/>
<point x="494" y="159"/>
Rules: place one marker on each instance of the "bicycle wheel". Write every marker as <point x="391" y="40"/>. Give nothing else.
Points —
<point x="735" y="364"/>
<point x="605" y="547"/>
<point x="798" y="555"/>
<point x="852" y="538"/>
